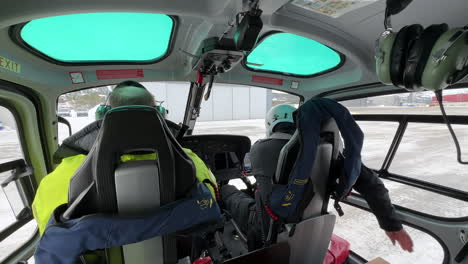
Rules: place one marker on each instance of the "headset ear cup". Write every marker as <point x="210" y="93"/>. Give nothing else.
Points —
<point x="161" y="110"/>
<point x="101" y="111"/>
<point x="419" y="54"/>
<point x="402" y="44"/>
<point x="453" y="67"/>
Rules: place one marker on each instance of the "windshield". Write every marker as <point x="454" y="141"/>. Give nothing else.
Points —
<point x="293" y="55"/>
<point x="239" y="110"/>
<point x="79" y="107"/>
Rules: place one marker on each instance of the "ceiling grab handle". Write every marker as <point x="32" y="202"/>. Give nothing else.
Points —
<point x="210" y="86"/>
<point x="394" y="7"/>
<point x="462" y="254"/>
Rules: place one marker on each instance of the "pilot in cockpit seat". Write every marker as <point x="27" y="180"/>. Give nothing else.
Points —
<point x="264" y="157"/>
<point x="53" y="189"/>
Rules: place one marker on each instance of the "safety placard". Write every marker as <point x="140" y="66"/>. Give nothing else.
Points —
<point x="333" y="8"/>
<point x="10" y="65"/>
<point x="77" y="77"/>
<point x="119" y="74"/>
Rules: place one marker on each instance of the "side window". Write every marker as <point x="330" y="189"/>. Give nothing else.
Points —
<point x="378" y="137"/>
<point x="431" y="139"/>
<point x="426" y="152"/>
<point x="239" y="110"/>
<point x="79" y="107"/>
<point x="361" y="230"/>
<point x="11" y="150"/>
<point x="378" y="134"/>
<point x="10" y="142"/>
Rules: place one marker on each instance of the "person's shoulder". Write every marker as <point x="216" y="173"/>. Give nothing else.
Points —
<point x="266" y="141"/>
<point x="71" y="162"/>
<point x="260" y="142"/>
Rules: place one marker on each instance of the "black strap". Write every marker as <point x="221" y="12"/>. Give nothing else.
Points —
<point x="272" y="232"/>
<point x="396" y="6"/>
<point x="183" y="129"/>
<point x="338" y="208"/>
<point x="462" y="254"/>
<point x="260" y="215"/>
<point x="71" y="208"/>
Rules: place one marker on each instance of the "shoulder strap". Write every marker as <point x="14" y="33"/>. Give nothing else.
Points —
<point x="71" y="208"/>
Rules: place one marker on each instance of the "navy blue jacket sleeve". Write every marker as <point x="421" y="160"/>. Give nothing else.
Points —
<point x="373" y="190"/>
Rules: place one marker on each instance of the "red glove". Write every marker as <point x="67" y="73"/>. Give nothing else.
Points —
<point x="403" y="238"/>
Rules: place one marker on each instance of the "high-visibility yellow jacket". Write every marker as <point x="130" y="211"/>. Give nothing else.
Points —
<point x="53" y="189"/>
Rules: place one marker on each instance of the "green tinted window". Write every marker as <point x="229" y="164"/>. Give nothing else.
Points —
<point x="100" y="37"/>
<point x="291" y="54"/>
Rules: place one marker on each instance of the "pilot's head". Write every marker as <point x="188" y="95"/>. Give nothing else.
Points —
<point x="130" y="93"/>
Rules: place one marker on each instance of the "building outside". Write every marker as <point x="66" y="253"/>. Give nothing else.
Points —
<point x="225" y="102"/>
<point x="453" y="98"/>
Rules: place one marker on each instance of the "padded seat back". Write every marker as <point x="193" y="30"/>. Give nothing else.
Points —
<point x="327" y="152"/>
<point x="138" y="191"/>
<point x="134" y="187"/>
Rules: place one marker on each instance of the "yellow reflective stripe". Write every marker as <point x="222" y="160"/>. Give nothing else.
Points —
<point x="129" y="157"/>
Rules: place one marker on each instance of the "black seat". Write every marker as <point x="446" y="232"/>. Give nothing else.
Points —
<point x="310" y="236"/>
<point x="105" y="184"/>
<point x="327" y="152"/>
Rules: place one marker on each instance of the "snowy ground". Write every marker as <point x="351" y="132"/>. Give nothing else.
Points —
<point x="425" y="153"/>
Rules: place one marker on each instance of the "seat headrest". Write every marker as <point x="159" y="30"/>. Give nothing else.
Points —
<point x="289" y="152"/>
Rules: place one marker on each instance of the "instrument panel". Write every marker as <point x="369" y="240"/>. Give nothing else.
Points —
<point x="223" y="154"/>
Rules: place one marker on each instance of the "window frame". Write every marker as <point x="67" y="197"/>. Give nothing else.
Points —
<point x="272" y="32"/>
<point x="403" y="121"/>
<point x="357" y="201"/>
<point x="435" y="226"/>
<point x="384" y="160"/>
<point x="25" y="251"/>
<point x="19" y="223"/>
<point x="32" y="96"/>
<point x="19" y="126"/>
<point x="15" y="36"/>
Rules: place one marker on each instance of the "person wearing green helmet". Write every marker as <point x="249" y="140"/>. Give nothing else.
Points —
<point x="53" y="189"/>
<point x="133" y="94"/>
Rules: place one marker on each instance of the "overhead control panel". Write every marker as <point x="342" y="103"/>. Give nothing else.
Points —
<point x="217" y="56"/>
<point x="221" y="54"/>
